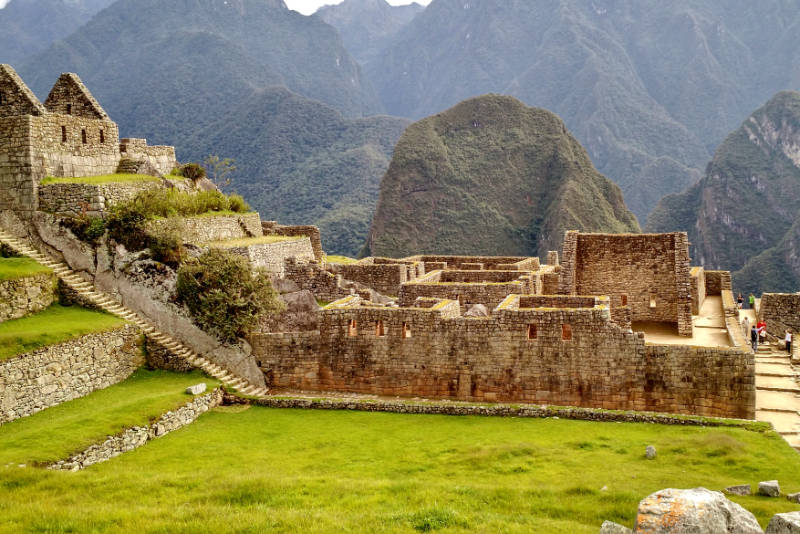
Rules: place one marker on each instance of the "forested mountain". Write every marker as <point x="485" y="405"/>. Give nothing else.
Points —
<point x="491" y="176"/>
<point x="744" y="215"/>
<point x="649" y="87"/>
<point x="29" y="26"/>
<point x="366" y="26"/>
<point x="183" y="49"/>
<point x="302" y="162"/>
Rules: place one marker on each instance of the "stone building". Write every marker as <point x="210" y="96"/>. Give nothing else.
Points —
<point x="70" y="135"/>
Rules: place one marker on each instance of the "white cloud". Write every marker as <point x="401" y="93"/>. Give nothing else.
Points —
<point x="307" y="7"/>
<point x="3" y="3"/>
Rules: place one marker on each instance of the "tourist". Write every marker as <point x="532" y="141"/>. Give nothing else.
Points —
<point x="752" y="301"/>
<point x="788" y="341"/>
<point x="740" y="301"/>
<point x="754" y="338"/>
<point x="746" y="326"/>
<point x="762" y="331"/>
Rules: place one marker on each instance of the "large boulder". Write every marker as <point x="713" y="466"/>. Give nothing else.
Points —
<point x="769" y="488"/>
<point x="693" y="511"/>
<point x="784" y="524"/>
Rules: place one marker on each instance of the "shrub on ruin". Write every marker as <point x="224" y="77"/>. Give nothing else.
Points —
<point x="193" y="171"/>
<point x="166" y="242"/>
<point x="126" y="225"/>
<point x="238" y="204"/>
<point x="223" y="294"/>
<point x="87" y="229"/>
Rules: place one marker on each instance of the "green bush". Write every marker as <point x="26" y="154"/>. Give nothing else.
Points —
<point x="223" y="295"/>
<point x="238" y="204"/>
<point x="87" y="229"/>
<point x="193" y="171"/>
<point x="166" y="242"/>
<point x="126" y="225"/>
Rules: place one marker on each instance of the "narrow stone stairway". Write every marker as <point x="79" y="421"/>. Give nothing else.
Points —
<point x="778" y="393"/>
<point x="86" y="290"/>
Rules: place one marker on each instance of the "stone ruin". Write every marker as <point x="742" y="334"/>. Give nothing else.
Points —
<point x="70" y="135"/>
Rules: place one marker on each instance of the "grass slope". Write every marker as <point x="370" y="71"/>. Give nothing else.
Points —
<point x="491" y="176"/>
<point x="54" y="325"/>
<point x="56" y="433"/>
<point x="20" y="267"/>
<point x="265" y="470"/>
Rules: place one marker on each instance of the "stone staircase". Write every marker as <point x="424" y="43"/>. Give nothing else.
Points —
<point x="778" y="392"/>
<point x="104" y="302"/>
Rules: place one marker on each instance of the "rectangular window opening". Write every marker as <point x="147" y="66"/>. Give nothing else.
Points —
<point x="69" y="109"/>
<point x="406" y="331"/>
<point x="63" y="134"/>
<point x="2" y="98"/>
<point x="83" y="136"/>
<point x="102" y="136"/>
<point x="379" y="331"/>
<point x="352" y="328"/>
<point x="652" y="301"/>
<point x="624" y="300"/>
<point x="566" y="332"/>
<point x="531" y="331"/>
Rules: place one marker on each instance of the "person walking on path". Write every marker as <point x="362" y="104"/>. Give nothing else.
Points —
<point x="754" y="338"/>
<point x="762" y="331"/>
<point x="752" y="301"/>
<point x="746" y="326"/>
<point x="740" y="301"/>
<point x="788" y="340"/>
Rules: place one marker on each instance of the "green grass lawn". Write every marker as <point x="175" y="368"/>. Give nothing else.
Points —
<point x="20" y="267"/>
<point x="54" y="325"/>
<point x="58" y="432"/>
<point x="333" y="258"/>
<point x="269" y="470"/>
<point x="100" y="180"/>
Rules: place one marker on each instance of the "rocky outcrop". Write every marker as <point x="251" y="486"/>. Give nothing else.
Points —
<point x="673" y="511"/>
<point x="137" y="436"/>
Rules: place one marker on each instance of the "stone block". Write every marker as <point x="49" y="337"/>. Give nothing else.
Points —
<point x="743" y="489"/>
<point x="769" y="488"/>
<point x="788" y="523"/>
<point x="196" y="389"/>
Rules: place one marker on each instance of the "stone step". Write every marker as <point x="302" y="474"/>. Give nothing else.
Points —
<point x="777" y="383"/>
<point x="777" y="400"/>
<point x="784" y="422"/>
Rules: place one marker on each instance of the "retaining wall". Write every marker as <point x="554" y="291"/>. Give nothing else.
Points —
<point x="93" y="200"/>
<point x="51" y="375"/>
<point x="22" y="296"/>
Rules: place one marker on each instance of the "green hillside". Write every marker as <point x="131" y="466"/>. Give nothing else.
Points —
<point x="491" y="176"/>
<point x="650" y="88"/>
<point x="301" y="162"/>
<point x="743" y="214"/>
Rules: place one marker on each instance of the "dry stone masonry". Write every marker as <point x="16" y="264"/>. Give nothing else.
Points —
<point x="22" y="296"/>
<point x="54" y="374"/>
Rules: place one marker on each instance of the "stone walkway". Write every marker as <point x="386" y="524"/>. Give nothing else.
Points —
<point x="778" y="392"/>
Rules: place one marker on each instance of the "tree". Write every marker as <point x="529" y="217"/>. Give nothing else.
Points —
<point x="219" y="170"/>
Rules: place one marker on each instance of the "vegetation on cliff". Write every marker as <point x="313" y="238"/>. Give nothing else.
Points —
<point x="743" y="215"/>
<point x="649" y="87"/>
<point x="491" y="176"/>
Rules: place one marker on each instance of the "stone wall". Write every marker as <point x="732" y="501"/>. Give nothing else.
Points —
<point x="135" y="437"/>
<point x="489" y="288"/>
<point x="781" y="311"/>
<point x="204" y="229"/>
<point x="272" y="256"/>
<point x="51" y="375"/>
<point x="716" y="282"/>
<point x="648" y="272"/>
<point x="94" y="200"/>
<point x="698" y="280"/>
<point x="323" y="284"/>
<point x="312" y="232"/>
<point x="384" y="278"/>
<point x="560" y="356"/>
<point x="160" y="157"/>
<point x="22" y="296"/>
<point x="501" y="263"/>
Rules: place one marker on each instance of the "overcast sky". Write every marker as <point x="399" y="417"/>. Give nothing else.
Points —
<point x="309" y="6"/>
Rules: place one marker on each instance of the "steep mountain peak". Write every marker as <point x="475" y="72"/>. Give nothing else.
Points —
<point x="491" y="176"/>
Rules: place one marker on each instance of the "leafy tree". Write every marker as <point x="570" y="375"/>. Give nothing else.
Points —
<point x="219" y="170"/>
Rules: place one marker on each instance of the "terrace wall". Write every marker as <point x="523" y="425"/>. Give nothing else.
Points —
<point x="51" y="375"/>
<point x="22" y="296"/>
<point x="75" y="199"/>
<point x="272" y="256"/>
<point x="198" y="230"/>
<point x="648" y="272"/>
<point x="495" y="359"/>
<point x="312" y="232"/>
<point x="781" y="311"/>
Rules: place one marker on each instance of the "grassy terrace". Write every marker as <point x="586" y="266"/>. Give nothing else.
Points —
<point x="344" y="260"/>
<point x="247" y="241"/>
<point x="59" y="432"/>
<point x="268" y="470"/>
<point x="100" y="180"/>
<point x="54" y="325"/>
<point x="20" y="267"/>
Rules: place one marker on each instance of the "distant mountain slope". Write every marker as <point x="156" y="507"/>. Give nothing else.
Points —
<point x="649" y="87"/>
<point x="366" y="26"/>
<point x="29" y="26"/>
<point x="744" y="215"/>
<point x="134" y="39"/>
<point x="299" y="161"/>
<point x="491" y="176"/>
